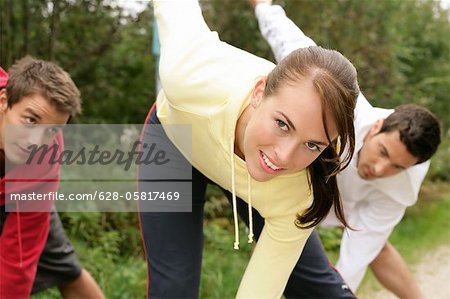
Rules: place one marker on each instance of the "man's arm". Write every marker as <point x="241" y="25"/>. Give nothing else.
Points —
<point x="284" y="36"/>
<point x="279" y="31"/>
<point x="374" y="220"/>
<point x="392" y="272"/>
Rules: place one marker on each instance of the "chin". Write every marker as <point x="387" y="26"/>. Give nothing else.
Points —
<point x="259" y="176"/>
<point x="361" y="175"/>
<point x="261" y="179"/>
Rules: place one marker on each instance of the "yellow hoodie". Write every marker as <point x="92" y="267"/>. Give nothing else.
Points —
<point x="207" y="84"/>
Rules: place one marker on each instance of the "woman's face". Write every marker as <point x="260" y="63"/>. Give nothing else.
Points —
<point x="285" y="132"/>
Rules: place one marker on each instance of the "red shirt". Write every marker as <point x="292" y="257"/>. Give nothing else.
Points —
<point x="24" y="233"/>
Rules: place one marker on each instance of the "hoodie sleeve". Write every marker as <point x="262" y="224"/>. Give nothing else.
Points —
<point x="276" y="253"/>
<point x="280" y="32"/>
<point x="23" y="238"/>
<point x="197" y="70"/>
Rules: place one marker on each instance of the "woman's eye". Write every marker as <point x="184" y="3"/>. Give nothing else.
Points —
<point x="282" y="125"/>
<point x="312" y="146"/>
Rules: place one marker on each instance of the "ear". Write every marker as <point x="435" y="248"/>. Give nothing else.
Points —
<point x="3" y="100"/>
<point x="258" y="92"/>
<point x="376" y="127"/>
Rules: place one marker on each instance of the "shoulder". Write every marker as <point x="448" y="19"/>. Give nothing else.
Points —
<point x="404" y="187"/>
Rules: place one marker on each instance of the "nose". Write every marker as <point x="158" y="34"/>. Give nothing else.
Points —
<point x="381" y="167"/>
<point x="285" y="153"/>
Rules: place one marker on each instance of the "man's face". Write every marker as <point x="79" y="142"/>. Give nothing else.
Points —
<point x="31" y="121"/>
<point x="285" y="132"/>
<point x="383" y="154"/>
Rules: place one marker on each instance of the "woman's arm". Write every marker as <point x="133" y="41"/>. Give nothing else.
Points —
<point x="275" y="255"/>
<point x="196" y="68"/>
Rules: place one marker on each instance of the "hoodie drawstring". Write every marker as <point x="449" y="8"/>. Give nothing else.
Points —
<point x="233" y="192"/>
<point x="19" y="234"/>
<point x="250" y="212"/>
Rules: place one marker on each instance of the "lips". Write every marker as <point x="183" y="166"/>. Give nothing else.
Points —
<point x="268" y="165"/>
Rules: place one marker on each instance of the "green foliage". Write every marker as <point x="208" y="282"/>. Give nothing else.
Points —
<point x="427" y="223"/>
<point x="440" y="162"/>
<point x="118" y="231"/>
<point x="223" y="266"/>
<point x="331" y="238"/>
<point x="118" y="276"/>
<point x="106" y="51"/>
<point x="400" y="48"/>
<point x="217" y="205"/>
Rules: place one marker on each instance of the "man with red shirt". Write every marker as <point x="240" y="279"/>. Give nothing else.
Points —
<point x="36" y="100"/>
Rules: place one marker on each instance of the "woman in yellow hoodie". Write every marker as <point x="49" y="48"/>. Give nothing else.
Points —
<point x="272" y="136"/>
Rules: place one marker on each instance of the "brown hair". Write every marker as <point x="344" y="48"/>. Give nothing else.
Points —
<point x="29" y="76"/>
<point x="419" y="129"/>
<point x="334" y="78"/>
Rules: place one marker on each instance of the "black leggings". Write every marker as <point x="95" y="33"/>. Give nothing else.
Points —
<point x="174" y="243"/>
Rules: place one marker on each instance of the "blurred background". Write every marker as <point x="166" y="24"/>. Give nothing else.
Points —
<point x="401" y="49"/>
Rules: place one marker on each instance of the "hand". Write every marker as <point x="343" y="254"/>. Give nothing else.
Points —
<point x="253" y="3"/>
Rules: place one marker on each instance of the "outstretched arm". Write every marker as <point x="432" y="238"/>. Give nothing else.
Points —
<point x="284" y="36"/>
<point x="375" y="220"/>
<point x="393" y="273"/>
<point x="196" y="68"/>
<point x="280" y="32"/>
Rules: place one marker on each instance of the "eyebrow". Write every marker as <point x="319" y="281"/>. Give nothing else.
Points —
<point x="293" y="127"/>
<point x="387" y="154"/>
<point x="319" y="142"/>
<point x="35" y="115"/>
<point x="287" y="119"/>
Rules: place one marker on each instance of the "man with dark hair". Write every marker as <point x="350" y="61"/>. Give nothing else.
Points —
<point x="383" y="179"/>
<point x="36" y="99"/>
<point x="418" y="130"/>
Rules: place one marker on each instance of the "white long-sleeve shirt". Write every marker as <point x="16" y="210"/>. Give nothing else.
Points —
<point x="374" y="207"/>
